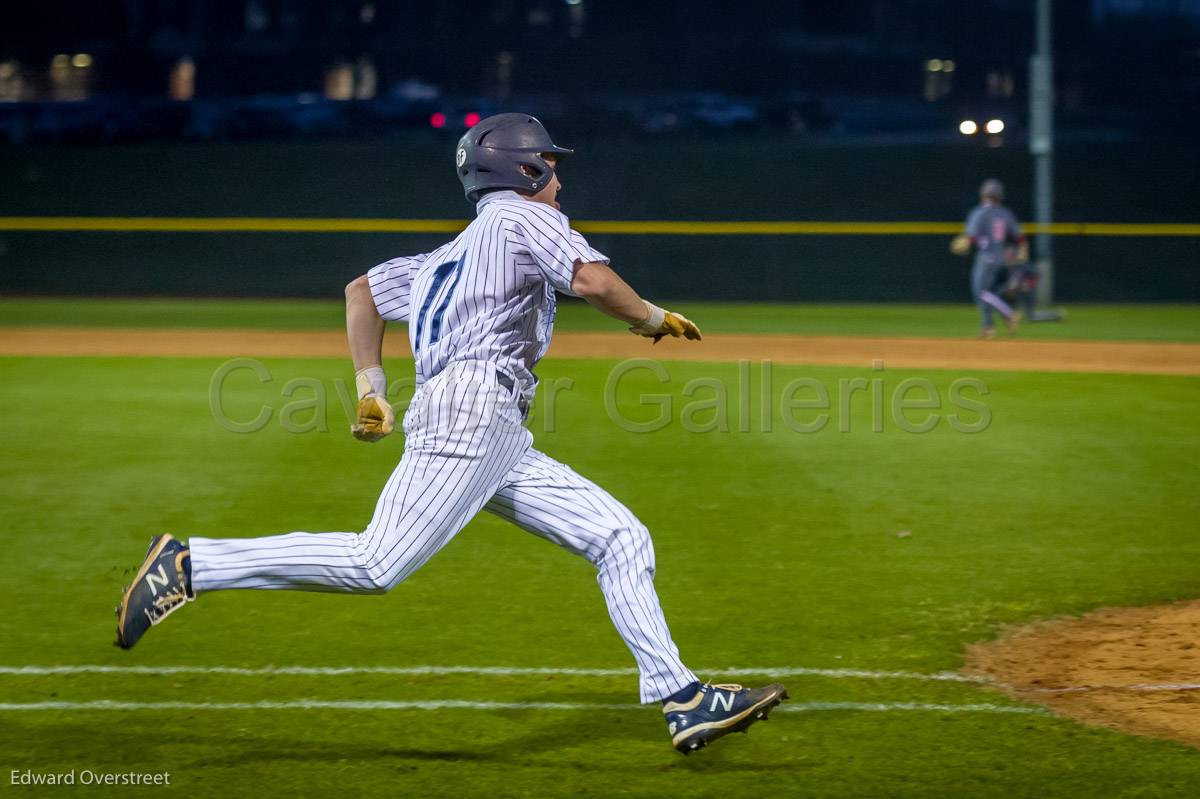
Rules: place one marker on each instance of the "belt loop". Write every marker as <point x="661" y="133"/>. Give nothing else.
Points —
<point x="507" y="382"/>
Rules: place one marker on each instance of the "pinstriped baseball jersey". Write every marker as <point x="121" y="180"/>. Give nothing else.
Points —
<point x="488" y="295"/>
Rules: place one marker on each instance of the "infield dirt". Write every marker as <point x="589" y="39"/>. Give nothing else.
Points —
<point x="899" y="353"/>
<point x="1134" y="669"/>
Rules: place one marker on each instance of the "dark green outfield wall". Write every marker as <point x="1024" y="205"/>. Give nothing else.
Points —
<point x="743" y="179"/>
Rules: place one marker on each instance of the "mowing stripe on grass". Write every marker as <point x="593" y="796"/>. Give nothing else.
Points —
<point x="491" y="671"/>
<point x="459" y="704"/>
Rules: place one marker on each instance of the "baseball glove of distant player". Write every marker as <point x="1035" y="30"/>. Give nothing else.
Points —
<point x="960" y="244"/>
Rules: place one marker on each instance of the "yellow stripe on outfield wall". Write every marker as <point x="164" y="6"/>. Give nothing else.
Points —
<point x="152" y="224"/>
<point x="218" y="224"/>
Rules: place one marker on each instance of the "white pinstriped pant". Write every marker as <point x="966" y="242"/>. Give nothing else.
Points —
<point x="466" y="449"/>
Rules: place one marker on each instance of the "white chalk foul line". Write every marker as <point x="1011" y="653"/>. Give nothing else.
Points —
<point x="458" y="704"/>
<point x="491" y="671"/>
<point x="544" y="671"/>
<point x="454" y="704"/>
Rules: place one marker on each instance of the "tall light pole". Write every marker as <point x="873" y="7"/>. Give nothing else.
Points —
<point x="1041" y="146"/>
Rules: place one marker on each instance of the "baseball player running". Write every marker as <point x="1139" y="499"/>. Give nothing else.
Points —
<point x="994" y="233"/>
<point x="480" y="312"/>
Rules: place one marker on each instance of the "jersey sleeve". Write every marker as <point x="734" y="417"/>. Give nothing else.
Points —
<point x="974" y="224"/>
<point x="391" y="286"/>
<point x="555" y="247"/>
<point x="1015" y="228"/>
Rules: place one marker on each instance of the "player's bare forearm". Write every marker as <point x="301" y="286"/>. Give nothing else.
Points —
<point x="364" y="325"/>
<point x="364" y="329"/>
<point x="605" y="291"/>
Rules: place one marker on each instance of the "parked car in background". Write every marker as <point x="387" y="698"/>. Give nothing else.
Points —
<point x="797" y="113"/>
<point x="699" y="111"/>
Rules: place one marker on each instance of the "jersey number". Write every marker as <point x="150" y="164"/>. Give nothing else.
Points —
<point x="433" y="319"/>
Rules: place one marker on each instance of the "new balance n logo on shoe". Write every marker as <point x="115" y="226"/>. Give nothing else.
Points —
<point x="724" y="699"/>
<point x="160" y="578"/>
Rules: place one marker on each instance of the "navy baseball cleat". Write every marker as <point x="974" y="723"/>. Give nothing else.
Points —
<point x="717" y="710"/>
<point x="163" y="584"/>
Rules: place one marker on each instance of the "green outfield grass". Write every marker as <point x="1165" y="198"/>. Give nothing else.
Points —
<point x="775" y="549"/>
<point x="1117" y="322"/>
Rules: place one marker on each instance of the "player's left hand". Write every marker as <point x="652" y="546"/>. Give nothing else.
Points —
<point x="678" y="326"/>
<point x="376" y="418"/>
<point x="1022" y="255"/>
<point x="660" y="323"/>
<point x="1017" y="255"/>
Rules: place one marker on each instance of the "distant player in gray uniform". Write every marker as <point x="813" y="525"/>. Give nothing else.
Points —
<point x="480" y="312"/>
<point x="994" y="234"/>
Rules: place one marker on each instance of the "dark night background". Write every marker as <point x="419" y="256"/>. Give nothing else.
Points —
<point x="701" y="110"/>
<point x="1120" y="63"/>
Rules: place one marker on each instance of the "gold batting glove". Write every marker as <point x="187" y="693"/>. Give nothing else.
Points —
<point x="376" y="418"/>
<point x="660" y="323"/>
<point x="679" y="326"/>
<point x="960" y="244"/>
<point x="374" y="415"/>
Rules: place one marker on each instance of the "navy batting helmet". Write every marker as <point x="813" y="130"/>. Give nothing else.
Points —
<point x="490" y="155"/>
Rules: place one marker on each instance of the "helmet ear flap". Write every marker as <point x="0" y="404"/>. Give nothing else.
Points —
<point x="542" y="171"/>
<point x="535" y="168"/>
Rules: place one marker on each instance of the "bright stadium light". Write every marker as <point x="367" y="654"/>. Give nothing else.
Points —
<point x="968" y="127"/>
<point x="934" y="65"/>
<point x="995" y="126"/>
